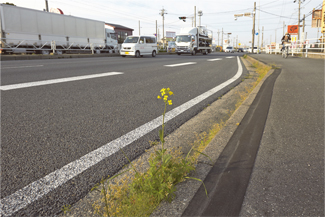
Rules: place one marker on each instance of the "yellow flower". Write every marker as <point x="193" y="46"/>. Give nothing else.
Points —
<point x="158" y="97"/>
<point x="171" y="93"/>
<point x="165" y="98"/>
<point x="168" y="89"/>
<point x="170" y="102"/>
<point x="163" y="91"/>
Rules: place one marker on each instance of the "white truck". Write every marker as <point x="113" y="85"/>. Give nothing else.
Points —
<point x="26" y="30"/>
<point x="194" y="40"/>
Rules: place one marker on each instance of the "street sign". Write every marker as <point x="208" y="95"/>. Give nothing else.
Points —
<point x="247" y="14"/>
<point x="239" y="15"/>
<point x="293" y="29"/>
<point x="239" y="44"/>
<point x="256" y="33"/>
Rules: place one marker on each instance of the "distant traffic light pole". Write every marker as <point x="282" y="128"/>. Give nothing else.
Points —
<point x="249" y="15"/>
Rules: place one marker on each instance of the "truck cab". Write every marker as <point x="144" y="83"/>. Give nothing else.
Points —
<point x="194" y="40"/>
<point x="111" y="40"/>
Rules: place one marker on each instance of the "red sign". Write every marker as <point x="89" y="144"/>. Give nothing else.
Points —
<point x="293" y="29"/>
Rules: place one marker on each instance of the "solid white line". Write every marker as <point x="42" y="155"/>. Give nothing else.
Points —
<point x="181" y="64"/>
<point x="54" y="81"/>
<point x="230" y="57"/>
<point x="215" y="59"/>
<point x="17" y="67"/>
<point x="41" y="187"/>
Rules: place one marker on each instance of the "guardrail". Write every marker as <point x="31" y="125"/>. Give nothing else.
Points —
<point x="304" y="47"/>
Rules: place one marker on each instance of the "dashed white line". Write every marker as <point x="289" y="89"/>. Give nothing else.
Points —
<point x="230" y="57"/>
<point x="181" y="64"/>
<point x="18" y="67"/>
<point x="41" y="187"/>
<point x="54" y="81"/>
<point x="214" y="59"/>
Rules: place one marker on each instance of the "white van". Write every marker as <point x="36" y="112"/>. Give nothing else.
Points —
<point x="138" y="46"/>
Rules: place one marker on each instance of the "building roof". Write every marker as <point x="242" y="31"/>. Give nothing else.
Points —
<point x="119" y="26"/>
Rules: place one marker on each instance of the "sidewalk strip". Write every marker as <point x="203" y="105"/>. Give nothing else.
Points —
<point x="41" y="187"/>
<point x="228" y="179"/>
<point x="55" y="81"/>
<point x="181" y="64"/>
<point x="214" y="59"/>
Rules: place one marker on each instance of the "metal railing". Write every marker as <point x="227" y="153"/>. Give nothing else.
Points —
<point x="13" y="45"/>
<point x="304" y="47"/>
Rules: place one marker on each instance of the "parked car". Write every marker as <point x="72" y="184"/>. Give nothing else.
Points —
<point x="229" y="49"/>
<point x="240" y="50"/>
<point x="245" y="49"/>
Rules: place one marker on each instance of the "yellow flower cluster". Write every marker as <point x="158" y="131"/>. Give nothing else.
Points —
<point x="165" y="92"/>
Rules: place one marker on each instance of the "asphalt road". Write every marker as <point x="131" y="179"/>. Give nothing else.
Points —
<point x="47" y="127"/>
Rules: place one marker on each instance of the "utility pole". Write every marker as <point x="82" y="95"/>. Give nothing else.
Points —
<point x="163" y="21"/>
<point x="200" y="13"/>
<point x="218" y="36"/>
<point x="237" y="41"/>
<point x="262" y="36"/>
<point x="299" y="2"/>
<point x="222" y="39"/>
<point x="156" y="32"/>
<point x="303" y="25"/>
<point x="47" y="6"/>
<point x="258" y="37"/>
<point x="194" y="16"/>
<point x="253" y="31"/>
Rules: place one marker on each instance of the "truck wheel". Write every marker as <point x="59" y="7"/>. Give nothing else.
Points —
<point x="205" y="53"/>
<point x="123" y="55"/>
<point x="193" y="53"/>
<point x="154" y="53"/>
<point x="178" y="54"/>
<point x="137" y="54"/>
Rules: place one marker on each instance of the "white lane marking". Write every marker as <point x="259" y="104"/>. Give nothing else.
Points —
<point x="41" y="187"/>
<point x="54" y="81"/>
<point x="17" y="67"/>
<point x="181" y="64"/>
<point x="215" y="59"/>
<point x="230" y="57"/>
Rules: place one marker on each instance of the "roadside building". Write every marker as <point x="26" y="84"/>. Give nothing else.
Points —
<point x="121" y="31"/>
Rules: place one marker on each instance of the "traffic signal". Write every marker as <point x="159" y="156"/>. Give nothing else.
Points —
<point x="183" y="18"/>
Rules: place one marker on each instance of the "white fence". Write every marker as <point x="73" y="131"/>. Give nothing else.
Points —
<point x="304" y="47"/>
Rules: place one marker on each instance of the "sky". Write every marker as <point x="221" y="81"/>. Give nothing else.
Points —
<point x="218" y="15"/>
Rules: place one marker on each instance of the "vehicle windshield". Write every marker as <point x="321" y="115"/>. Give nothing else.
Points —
<point x="113" y="36"/>
<point x="131" y="40"/>
<point x="229" y="48"/>
<point x="183" y="38"/>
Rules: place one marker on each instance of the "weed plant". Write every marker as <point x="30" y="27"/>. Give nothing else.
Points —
<point x="139" y="193"/>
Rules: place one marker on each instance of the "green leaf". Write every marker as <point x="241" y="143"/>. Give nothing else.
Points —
<point x="161" y="135"/>
<point x="204" y="155"/>
<point x="199" y="181"/>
